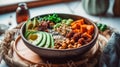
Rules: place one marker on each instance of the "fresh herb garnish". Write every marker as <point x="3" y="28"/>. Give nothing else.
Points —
<point x="54" y="18"/>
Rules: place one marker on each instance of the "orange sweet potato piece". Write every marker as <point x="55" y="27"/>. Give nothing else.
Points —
<point x="80" y="22"/>
<point x="83" y="28"/>
<point x="74" y="26"/>
<point x="73" y="23"/>
<point x="76" y="30"/>
<point x="90" y="29"/>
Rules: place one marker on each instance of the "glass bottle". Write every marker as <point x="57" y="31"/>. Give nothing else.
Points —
<point x="22" y="13"/>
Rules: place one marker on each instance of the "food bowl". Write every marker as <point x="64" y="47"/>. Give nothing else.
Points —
<point x="58" y="53"/>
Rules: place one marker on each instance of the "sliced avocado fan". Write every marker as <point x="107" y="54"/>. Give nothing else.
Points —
<point x="29" y="25"/>
<point x="35" y="38"/>
<point x="43" y="42"/>
<point x="48" y="43"/>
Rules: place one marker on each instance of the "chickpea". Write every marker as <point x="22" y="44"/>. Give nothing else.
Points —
<point x="58" y="43"/>
<point x="75" y="46"/>
<point x="63" y="32"/>
<point x="64" y="45"/>
<point x="78" y="45"/>
<point x="67" y="41"/>
<point x="58" y="30"/>
<point x="70" y="46"/>
<point x="61" y="47"/>
<point x="56" y="47"/>
<point x="75" y="43"/>
<point x="72" y="41"/>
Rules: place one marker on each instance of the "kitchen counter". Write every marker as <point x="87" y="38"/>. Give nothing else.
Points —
<point x="70" y="8"/>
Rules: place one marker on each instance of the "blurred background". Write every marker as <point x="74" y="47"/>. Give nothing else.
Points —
<point x="103" y="11"/>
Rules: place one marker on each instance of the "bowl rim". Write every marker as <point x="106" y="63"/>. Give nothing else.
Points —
<point x="50" y="49"/>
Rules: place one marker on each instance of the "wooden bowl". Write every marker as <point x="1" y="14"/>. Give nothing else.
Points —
<point x="57" y="53"/>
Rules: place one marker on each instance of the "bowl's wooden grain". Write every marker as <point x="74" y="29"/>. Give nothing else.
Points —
<point x="24" y="52"/>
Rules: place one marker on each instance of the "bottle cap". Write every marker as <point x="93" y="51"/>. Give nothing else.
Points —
<point x="22" y="4"/>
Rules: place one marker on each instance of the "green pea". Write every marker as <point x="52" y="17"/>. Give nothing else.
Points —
<point x="64" y="21"/>
<point x="69" y="21"/>
<point x="57" y="25"/>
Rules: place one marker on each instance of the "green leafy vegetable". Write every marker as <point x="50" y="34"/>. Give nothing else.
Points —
<point x="54" y="18"/>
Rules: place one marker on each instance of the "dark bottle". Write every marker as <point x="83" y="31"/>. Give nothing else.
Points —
<point x="22" y="13"/>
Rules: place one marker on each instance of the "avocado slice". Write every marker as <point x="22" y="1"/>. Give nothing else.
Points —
<point x="52" y="41"/>
<point x="35" y="37"/>
<point x="35" y="22"/>
<point x="29" y="32"/>
<point x="43" y="42"/>
<point x="29" y="25"/>
<point x="26" y="34"/>
<point x="47" y="45"/>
